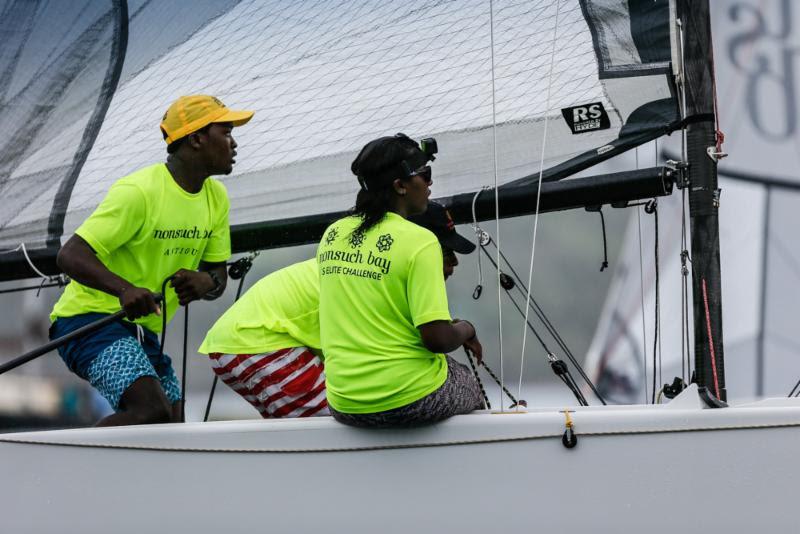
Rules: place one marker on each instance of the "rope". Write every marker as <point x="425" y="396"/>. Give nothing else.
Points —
<point x="28" y="259"/>
<point x="562" y="371"/>
<point x="604" y="265"/>
<point x="538" y="194"/>
<point x="511" y="397"/>
<point x="237" y="269"/>
<point x="183" y="367"/>
<point x="496" y="193"/>
<point x="59" y="279"/>
<point x="216" y="377"/>
<point x="483" y="240"/>
<point x="486" y="403"/>
<point x="718" y="135"/>
<point x="641" y="282"/>
<point x="163" y="316"/>
<point x="652" y="208"/>
<point x="551" y="330"/>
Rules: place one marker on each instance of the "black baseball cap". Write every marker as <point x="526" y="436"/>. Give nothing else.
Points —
<point x="438" y="220"/>
<point x="383" y="160"/>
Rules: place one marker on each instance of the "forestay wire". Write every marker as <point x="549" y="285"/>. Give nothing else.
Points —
<point x="538" y="196"/>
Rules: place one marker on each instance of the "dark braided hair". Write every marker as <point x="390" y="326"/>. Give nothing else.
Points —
<point x="374" y="199"/>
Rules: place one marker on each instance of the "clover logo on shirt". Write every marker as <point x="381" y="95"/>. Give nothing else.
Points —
<point x="384" y="242"/>
<point x="356" y="239"/>
<point x="332" y="235"/>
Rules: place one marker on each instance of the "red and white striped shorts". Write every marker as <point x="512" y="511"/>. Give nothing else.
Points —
<point x="284" y="383"/>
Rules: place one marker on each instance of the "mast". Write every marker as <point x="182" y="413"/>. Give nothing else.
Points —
<point x="703" y="195"/>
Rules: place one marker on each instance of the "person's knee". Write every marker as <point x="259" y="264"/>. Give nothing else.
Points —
<point x="153" y="414"/>
<point x="145" y="401"/>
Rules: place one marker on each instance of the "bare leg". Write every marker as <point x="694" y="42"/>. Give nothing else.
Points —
<point x="144" y="402"/>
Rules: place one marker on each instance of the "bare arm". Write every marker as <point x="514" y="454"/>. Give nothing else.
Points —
<point x="444" y="336"/>
<point x="78" y="260"/>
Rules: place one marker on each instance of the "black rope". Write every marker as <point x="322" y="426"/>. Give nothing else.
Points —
<point x="163" y="316"/>
<point x="505" y="389"/>
<point x="237" y="269"/>
<point x="652" y="208"/>
<point x="604" y="265"/>
<point x="562" y="371"/>
<point x="183" y="368"/>
<point x="519" y="309"/>
<point x="478" y="378"/>
<point x="545" y="321"/>
<point x="792" y="393"/>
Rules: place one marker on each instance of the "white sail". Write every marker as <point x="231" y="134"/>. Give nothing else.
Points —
<point x="323" y="78"/>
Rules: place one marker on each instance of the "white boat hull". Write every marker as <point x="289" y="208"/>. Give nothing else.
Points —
<point x="656" y="468"/>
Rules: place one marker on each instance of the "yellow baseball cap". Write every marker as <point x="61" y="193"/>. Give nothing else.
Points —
<point x="191" y="113"/>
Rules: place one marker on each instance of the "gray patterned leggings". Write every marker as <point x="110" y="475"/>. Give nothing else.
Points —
<point x="459" y="394"/>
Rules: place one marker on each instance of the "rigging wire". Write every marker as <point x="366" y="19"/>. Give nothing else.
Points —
<point x="41" y="286"/>
<point x="520" y="285"/>
<point x="658" y="295"/>
<point x="538" y="195"/>
<point x="496" y="194"/>
<point x="686" y="366"/>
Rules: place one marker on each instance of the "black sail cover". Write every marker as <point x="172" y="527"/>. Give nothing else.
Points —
<point x="84" y="85"/>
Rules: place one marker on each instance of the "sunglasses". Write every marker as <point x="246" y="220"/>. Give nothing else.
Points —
<point x="425" y="172"/>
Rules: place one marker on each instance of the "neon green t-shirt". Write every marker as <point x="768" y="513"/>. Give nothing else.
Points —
<point x="145" y="229"/>
<point x="375" y="290"/>
<point x="278" y="312"/>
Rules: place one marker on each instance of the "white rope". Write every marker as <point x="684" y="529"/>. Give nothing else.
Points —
<point x="11" y="250"/>
<point x="538" y="196"/>
<point x="21" y="247"/>
<point x="641" y="281"/>
<point x="28" y="259"/>
<point x="496" y="203"/>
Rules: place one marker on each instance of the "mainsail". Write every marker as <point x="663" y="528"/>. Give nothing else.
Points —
<point x="85" y="84"/>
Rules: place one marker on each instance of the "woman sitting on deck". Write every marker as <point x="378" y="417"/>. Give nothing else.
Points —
<point x="384" y="318"/>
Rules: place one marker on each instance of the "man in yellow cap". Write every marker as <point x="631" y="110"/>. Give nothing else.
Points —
<point x="167" y="221"/>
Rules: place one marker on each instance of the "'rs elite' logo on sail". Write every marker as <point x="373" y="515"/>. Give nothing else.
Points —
<point x="586" y="118"/>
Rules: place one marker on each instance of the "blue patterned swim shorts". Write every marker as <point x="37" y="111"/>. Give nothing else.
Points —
<point x="112" y="359"/>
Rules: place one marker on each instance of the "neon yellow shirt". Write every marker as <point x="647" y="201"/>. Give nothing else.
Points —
<point x="145" y="229"/>
<point x="278" y="312"/>
<point x="375" y="290"/>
